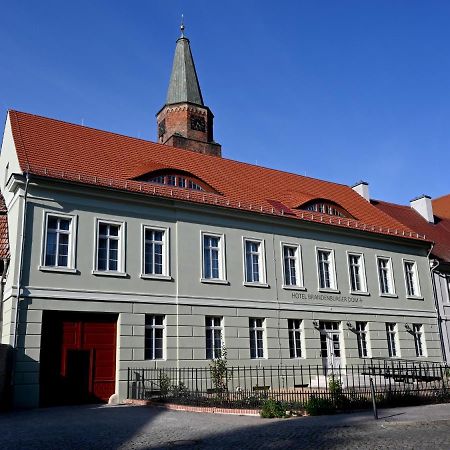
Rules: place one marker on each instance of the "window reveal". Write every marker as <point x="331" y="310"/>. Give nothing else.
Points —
<point x="154" y="336"/>
<point x="256" y="328"/>
<point x="108" y="247"/>
<point x="213" y="330"/>
<point x="154" y="252"/>
<point x="57" y="241"/>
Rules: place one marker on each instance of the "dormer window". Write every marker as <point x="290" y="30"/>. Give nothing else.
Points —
<point x="177" y="181"/>
<point x="326" y="207"/>
<point x="176" y="178"/>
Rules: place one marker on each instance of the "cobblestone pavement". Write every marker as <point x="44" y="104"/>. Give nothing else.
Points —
<point x="132" y="427"/>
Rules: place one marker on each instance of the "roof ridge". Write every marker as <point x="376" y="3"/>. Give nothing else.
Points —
<point x="389" y="203"/>
<point x="441" y="197"/>
<point x="410" y="210"/>
<point x="81" y="126"/>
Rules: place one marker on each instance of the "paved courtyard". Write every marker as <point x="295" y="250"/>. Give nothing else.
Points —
<point x="133" y="427"/>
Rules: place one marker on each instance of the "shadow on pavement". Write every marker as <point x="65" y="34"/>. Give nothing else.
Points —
<point x="73" y="427"/>
<point x="132" y="427"/>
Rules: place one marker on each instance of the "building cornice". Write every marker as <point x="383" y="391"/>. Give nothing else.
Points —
<point x="255" y="216"/>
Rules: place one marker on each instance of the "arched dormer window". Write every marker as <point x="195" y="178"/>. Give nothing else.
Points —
<point x="323" y="206"/>
<point x="176" y="178"/>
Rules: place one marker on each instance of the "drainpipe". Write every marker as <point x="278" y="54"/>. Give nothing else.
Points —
<point x="280" y="352"/>
<point x="177" y="293"/>
<point x="433" y="267"/>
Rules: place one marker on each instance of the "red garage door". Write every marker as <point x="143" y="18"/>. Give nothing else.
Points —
<point x="78" y="358"/>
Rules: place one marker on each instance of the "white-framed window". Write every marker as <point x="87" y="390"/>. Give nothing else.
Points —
<point x="254" y="265"/>
<point x="419" y="339"/>
<point x="256" y="328"/>
<point x="411" y="279"/>
<point x="213" y="257"/>
<point x="154" y="336"/>
<point x="326" y="269"/>
<point x="292" y="266"/>
<point x="385" y="276"/>
<point x="155" y="261"/>
<point x="109" y="253"/>
<point x="58" y="249"/>
<point x="295" y="338"/>
<point x="214" y="337"/>
<point x="357" y="273"/>
<point x="392" y="340"/>
<point x="362" y="339"/>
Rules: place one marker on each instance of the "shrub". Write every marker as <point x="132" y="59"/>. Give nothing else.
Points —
<point x="181" y="391"/>
<point x="271" y="409"/>
<point x="164" y="384"/>
<point x="316" y="406"/>
<point x="334" y="386"/>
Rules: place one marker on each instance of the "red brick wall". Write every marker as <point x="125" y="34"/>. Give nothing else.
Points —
<point x="179" y="132"/>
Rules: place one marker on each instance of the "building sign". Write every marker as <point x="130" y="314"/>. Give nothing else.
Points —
<point x="326" y="297"/>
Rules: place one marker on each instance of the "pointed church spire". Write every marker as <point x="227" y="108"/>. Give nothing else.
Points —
<point x="183" y="86"/>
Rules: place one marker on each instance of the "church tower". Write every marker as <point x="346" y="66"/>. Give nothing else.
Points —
<point x="185" y="121"/>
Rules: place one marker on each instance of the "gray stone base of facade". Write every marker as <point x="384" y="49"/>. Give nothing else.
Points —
<point x="184" y="335"/>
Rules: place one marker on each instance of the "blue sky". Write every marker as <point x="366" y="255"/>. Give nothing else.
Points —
<point x="338" y="90"/>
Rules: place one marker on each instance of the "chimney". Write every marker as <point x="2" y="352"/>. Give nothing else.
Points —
<point x="424" y="207"/>
<point x="362" y="188"/>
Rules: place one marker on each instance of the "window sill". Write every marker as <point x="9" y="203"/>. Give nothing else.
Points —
<point x="389" y="295"/>
<point x="359" y="293"/>
<point x="293" y="288"/>
<point x="257" y="285"/>
<point x="329" y="291"/>
<point x="214" y="281"/>
<point x="414" y="297"/>
<point x="147" y="276"/>
<point x="57" y="269"/>
<point x="109" y="273"/>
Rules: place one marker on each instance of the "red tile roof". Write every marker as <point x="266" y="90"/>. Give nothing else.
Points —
<point x="441" y="206"/>
<point x="2" y="204"/>
<point x="4" y="241"/>
<point x="61" y="150"/>
<point x="439" y="232"/>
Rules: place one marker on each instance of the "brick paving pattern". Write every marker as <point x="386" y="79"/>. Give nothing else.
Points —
<point x="134" y="427"/>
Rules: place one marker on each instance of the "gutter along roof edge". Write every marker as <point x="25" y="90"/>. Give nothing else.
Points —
<point x="211" y="199"/>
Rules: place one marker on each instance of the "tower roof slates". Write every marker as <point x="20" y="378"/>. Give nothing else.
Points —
<point x="184" y="85"/>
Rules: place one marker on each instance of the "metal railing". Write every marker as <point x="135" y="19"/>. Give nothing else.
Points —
<point x="395" y="382"/>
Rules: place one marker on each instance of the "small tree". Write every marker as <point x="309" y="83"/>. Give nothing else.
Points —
<point x="219" y="372"/>
<point x="164" y="384"/>
<point x="336" y="391"/>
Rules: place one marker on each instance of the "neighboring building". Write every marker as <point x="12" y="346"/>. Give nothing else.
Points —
<point x="431" y="218"/>
<point x="129" y="253"/>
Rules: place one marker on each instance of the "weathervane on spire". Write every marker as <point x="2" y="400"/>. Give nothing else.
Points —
<point x="182" y="26"/>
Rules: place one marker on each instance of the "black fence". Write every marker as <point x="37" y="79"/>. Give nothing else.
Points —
<point x="395" y="382"/>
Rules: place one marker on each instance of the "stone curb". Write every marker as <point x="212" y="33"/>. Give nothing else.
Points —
<point x="199" y="409"/>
